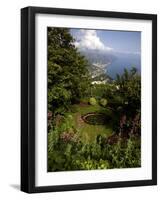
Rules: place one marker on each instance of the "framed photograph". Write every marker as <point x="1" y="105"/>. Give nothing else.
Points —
<point x="88" y="99"/>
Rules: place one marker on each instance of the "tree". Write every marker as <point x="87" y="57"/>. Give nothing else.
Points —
<point x="68" y="77"/>
<point x="130" y="90"/>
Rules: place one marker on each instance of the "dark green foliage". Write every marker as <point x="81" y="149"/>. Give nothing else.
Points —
<point x="68" y="77"/>
<point x="124" y="95"/>
<point x="129" y="91"/>
<point x="74" y="155"/>
<point x="69" y="85"/>
<point x="66" y="151"/>
<point x="97" y="90"/>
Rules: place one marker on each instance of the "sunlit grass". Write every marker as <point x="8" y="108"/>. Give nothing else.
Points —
<point x="88" y="133"/>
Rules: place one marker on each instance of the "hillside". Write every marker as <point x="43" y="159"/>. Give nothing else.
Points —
<point x="99" y="62"/>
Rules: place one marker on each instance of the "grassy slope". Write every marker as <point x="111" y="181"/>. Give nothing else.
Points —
<point x="88" y="132"/>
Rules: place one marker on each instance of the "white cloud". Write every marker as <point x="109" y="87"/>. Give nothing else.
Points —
<point x="88" y="39"/>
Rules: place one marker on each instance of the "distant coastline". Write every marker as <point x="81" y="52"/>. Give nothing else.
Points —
<point x="118" y="65"/>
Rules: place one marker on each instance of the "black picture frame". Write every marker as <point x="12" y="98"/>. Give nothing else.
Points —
<point x="28" y="98"/>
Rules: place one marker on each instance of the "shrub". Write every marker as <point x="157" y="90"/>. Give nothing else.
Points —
<point x="92" y="101"/>
<point x="103" y="102"/>
<point x="70" y="155"/>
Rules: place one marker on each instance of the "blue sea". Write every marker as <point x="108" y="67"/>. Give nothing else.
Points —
<point x="124" y="61"/>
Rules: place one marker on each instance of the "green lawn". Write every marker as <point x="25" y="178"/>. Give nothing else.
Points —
<point x="88" y="132"/>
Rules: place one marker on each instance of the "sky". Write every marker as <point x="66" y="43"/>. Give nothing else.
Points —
<point x="106" y="40"/>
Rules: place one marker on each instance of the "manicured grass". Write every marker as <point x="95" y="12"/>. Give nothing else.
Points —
<point x="88" y="133"/>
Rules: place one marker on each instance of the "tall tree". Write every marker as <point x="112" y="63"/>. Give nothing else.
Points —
<point x="68" y="77"/>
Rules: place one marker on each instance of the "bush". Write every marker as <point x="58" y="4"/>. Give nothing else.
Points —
<point x="103" y="102"/>
<point x="66" y="152"/>
<point x="92" y="101"/>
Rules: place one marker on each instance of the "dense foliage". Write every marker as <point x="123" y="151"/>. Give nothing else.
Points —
<point x="129" y="91"/>
<point x="67" y="152"/>
<point x="68" y="77"/>
<point x="112" y="110"/>
<point x="125" y="93"/>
